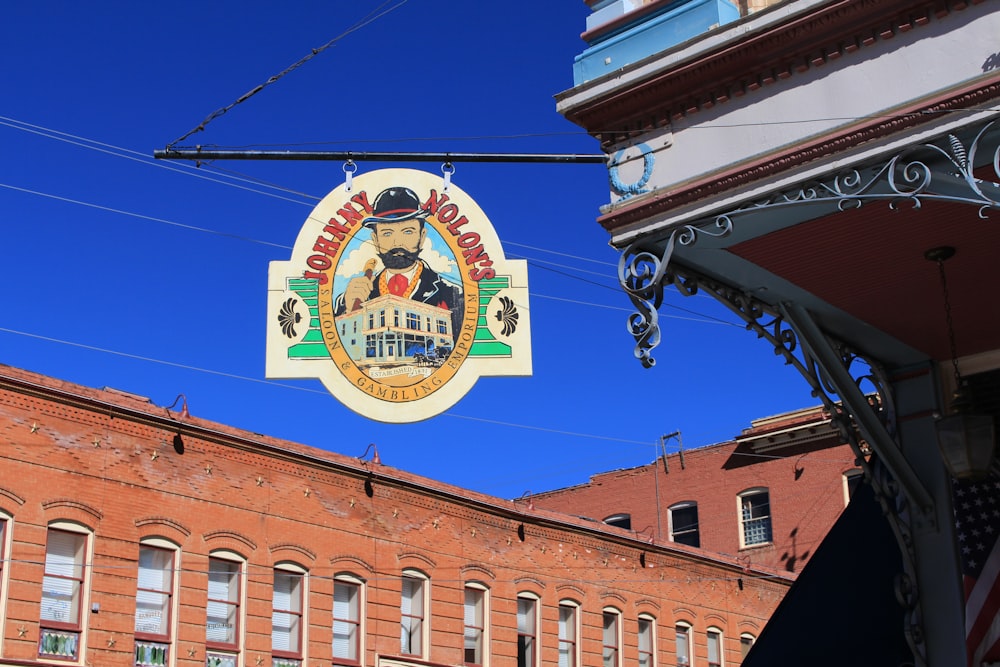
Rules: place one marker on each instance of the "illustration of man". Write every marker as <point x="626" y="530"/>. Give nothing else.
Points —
<point x="398" y="233"/>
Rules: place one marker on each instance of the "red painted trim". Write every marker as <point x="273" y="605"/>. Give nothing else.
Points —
<point x="713" y="184"/>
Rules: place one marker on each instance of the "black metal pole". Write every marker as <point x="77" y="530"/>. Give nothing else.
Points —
<point x="364" y="156"/>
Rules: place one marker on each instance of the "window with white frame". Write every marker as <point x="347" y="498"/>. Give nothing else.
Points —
<point x="287" y="597"/>
<point x="3" y="547"/>
<point x="63" y="589"/>
<point x="347" y="604"/>
<point x="713" y="639"/>
<point x="568" y="632"/>
<point x="527" y="629"/>
<point x="476" y="599"/>
<point x="611" y="638"/>
<point x="412" y="613"/>
<point x="223" y="611"/>
<point x="746" y="642"/>
<point x="3" y="555"/>
<point x="682" y="634"/>
<point x="852" y="479"/>
<point x="755" y="517"/>
<point x="683" y="519"/>
<point x="154" y="603"/>
<point x="647" y="641"/>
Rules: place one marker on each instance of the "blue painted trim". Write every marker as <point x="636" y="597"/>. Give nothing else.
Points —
<point x="675" y="24"/>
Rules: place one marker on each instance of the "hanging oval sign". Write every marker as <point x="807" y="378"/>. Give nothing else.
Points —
<point x="398" y="297"/>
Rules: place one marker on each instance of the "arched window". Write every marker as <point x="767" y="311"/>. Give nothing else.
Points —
<point x="5" y="526"/>
<point x="224" y="608"/>
<point x="852" y="479"/>
<point x="348" y="621"/>
<point x="287" y="614"/>
<point x="683" y="518"/>
<point x="155" y="601"/>
<point x="476" y="629"/>
<point x="682" y="646"/>
<point x="413" y="613"/>
<point x="746" y="641"/>
<point x="621" y="520"/>
<point x="64" y="591"/>
<point x="647" y="641"/>
<point x="611" y="653"/>
<point x="527" y="630"/>
<point x="569" y="630"/>
<point x="713" y="640"/>
<point x="755" y="517"/>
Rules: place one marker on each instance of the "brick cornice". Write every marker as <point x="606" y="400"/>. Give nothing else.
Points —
<point x="658" y="202"/>
<point x="761" y="58"/>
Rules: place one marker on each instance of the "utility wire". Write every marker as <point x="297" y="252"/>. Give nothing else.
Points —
<point x="375" y="14"/>
<point x="248" y="239"/>
<point x="234" y="376"/>
<point x="609" y="130"/>
<point x="667" y="305"/>
<point x="556" y="252"/>
<point x="391" y="576"/>
<point x="135" y="156"/>
<point x="188" y="170"/>
<point x="144" y="217"/>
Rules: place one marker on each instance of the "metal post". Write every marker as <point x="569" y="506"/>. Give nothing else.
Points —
<point x="202" y="155"/>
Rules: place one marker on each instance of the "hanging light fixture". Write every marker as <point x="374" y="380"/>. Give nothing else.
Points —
<point x="966" y="440"/>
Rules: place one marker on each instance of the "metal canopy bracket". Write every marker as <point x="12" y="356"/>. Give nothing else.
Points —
<point x="832" y="361"/>
<point x="855" y="390"/>
<point x="940" y="171"/>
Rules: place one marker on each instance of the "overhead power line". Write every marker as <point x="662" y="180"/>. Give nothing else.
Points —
<point x="375" y="14"/>
<point x="534" y="262"/>
<point x="235" y="376"/>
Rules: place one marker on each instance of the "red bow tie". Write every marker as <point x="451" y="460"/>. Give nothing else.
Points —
<point x="398" y="284"/>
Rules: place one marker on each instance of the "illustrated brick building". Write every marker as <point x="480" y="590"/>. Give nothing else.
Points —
<point x="767" y="498"/>
<point x="131" y="534"/>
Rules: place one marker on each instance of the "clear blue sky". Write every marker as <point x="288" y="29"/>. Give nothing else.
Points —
<point x="150" y="277"/>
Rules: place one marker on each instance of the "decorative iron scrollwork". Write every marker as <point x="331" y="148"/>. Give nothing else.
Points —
<point x="643" y="275"/>
<point x="925" y="172"/>
<point x="774" y="326"/>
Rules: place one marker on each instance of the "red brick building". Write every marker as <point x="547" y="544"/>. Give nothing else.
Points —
<point x="766" y="498"/>
<point x="132" y="534"/>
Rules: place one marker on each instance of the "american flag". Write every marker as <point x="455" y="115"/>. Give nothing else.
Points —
<point x="977" y="517"/>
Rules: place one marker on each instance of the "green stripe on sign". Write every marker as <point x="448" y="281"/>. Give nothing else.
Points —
<point x="499" y="282"/>
<point x="308" y="351"/>
<point x="487" y="349"/>
<point x="311" y="346"/>
<point x="484" y="343"/>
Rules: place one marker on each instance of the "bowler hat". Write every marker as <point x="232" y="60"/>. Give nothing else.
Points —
<point x="395" y="204"/>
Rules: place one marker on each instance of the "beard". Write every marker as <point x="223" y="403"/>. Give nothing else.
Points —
<point x="398" y="258"/>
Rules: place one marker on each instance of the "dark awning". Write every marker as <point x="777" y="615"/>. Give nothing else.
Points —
<point x="842" y="609"/>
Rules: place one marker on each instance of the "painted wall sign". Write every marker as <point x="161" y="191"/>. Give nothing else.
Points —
<point x="397" y="297"/>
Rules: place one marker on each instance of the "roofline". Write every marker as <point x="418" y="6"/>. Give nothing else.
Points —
<point x="76" y="396"/>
